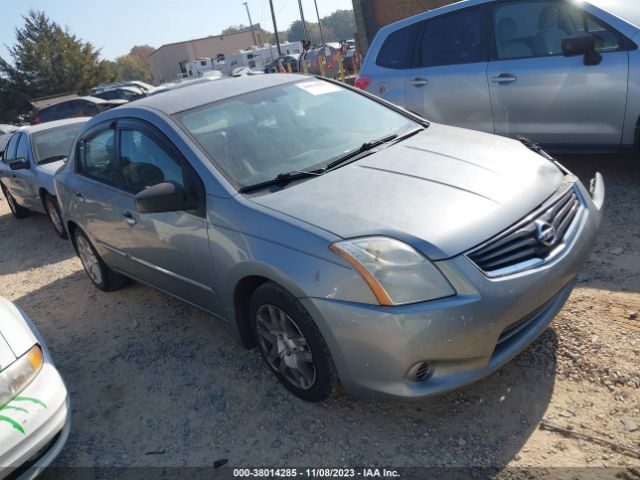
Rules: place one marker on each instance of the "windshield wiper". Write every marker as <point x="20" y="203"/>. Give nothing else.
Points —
<point x="283" y="179"/>
<point x="352" y="156"/>
<point x="356" y="154"/>
<point x="52" y="158"/>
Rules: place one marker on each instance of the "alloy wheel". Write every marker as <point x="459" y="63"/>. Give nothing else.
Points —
<point x="89" y="259"/>
<point x="285" y="347"/>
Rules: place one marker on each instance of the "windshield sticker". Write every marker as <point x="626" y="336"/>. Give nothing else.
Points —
<point x="318" y="88"/>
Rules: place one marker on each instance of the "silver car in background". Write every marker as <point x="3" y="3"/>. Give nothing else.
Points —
<point x="350" y="240"/>
<point x="565" y="74"/>
<point x="31" y="157"/>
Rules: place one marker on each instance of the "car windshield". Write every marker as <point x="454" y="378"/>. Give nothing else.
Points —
<point x="54" y="143"/>
<point x="628" y="10"/>
<point x="299" y="126"/>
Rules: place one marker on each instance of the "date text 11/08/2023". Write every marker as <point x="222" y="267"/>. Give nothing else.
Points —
<point x="315" y="473"/>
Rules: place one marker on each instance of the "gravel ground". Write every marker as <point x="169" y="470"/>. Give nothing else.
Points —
<point x="156" y="382"/>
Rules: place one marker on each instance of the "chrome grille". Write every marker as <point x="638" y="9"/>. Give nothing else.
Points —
<point x="532" y="241"/>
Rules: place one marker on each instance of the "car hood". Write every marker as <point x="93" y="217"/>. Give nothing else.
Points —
<point x="15" y="335"/>
<point x="443" y="191"/>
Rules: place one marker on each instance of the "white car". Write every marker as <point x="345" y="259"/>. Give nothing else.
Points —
<point x="34" y="405"/>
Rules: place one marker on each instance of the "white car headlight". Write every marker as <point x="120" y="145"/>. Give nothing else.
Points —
<point x="17" y="376"/>
<point x="396" y="273"/>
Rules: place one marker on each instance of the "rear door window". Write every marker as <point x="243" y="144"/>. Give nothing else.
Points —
<point x="398" y="49"/>
<point x="453" y="39"/>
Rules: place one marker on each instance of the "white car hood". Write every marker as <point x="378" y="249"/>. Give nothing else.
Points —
<point x="15" y="335"/>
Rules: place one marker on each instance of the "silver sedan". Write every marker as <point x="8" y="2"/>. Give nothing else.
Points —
<point x="351" y="241"/>
<point x="31" y="158"/>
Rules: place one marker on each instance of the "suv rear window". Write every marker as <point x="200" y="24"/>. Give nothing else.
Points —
<point x="397" y="50"/>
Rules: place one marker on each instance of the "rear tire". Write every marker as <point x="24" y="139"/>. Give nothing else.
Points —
<point x="100" y="275"/>
<point x="17" y="210"/>
<point x="53" y="212"/>
<point x="291" y="344"/>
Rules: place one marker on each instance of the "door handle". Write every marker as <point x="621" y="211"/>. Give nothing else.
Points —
<point x="504" y="78"/>
<point x="128" y="217"/>
<point x="418" y="82"/>
<point x="79" y="196"/>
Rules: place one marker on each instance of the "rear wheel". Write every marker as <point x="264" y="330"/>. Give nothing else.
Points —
<point x="102" y="276"/>
<point x="17" y="210"/>
<point x="53" y="212"/>
<point x="291" y="344"/>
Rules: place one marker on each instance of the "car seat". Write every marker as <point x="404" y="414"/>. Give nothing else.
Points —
<point x="508" y="44"/>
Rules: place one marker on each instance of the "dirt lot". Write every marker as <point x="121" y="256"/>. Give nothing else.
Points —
<point x="156" y="382"/>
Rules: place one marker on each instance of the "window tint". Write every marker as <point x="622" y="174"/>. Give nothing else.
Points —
<point x="145" y="162"/>
<point x="453" y="39"/>
<point x="10" y="151"/>
<point x="23" y="147"/>
<point x="85" y="109"/>
<point x="397" y="50"/>
<point x="537" y="28"/>
<point x="97" y="157"/>
<point x="48" y="114"/>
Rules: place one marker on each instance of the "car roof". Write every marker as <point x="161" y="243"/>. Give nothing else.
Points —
<point x="53" y="124"/>
<point x="181" y="99"/>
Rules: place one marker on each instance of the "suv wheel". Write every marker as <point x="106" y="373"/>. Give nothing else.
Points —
<point x="17" y="210"/>
<point x="102" y="276"/>
<point x="53" y="212"/>
<point x="291" y="344"/>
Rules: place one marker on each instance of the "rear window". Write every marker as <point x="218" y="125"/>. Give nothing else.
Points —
<point x="397" y="50"/>
<point x="54" y="143"/>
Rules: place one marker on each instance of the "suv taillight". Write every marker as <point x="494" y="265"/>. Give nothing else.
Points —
<point x="363" y="82"/>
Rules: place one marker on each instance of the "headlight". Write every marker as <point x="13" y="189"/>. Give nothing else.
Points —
<point x="394" y="271"/>
<point x="16" y="377"/>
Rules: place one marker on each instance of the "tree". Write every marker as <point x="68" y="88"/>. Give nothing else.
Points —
<point x="296" y="32"/>
<point x="131" y="67"/>
<point x="341" y="24"/>
<point x="47" y="60"/>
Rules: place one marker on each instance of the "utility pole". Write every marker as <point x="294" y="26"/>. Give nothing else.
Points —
<point x="275" y="27"/>
<point x="304" y="24"/>
<point x="255" y="40"/>
<point x="319" y="22"/>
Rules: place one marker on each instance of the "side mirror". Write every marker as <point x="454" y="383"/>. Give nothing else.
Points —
<point x="162" y="197"/>
<point x="582" y="44"/>
<point x="19" y="164"/>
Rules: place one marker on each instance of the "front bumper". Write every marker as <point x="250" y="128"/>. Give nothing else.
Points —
<point x="465" y="337"/>
<point x="46" y="428"/>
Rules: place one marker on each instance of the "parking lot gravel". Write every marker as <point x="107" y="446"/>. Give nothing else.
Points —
<point x="157" y="382"/>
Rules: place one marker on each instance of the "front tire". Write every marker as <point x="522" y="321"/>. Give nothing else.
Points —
<point x="100" y="275"/>
<point x="16" y="210"/>
<point x="53" y="212"/>
<point x="291" y="344"/>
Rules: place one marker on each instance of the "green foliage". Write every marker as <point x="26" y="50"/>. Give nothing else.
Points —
<point x="47" y="60"/>
<point x="131" y="67"/>
<point x="340" y="25"/>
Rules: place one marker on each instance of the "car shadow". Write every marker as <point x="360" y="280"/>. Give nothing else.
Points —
<point x="32" y="240"/>
<point x="156" y="382"/>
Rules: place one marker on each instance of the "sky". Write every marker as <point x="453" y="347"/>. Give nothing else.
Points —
<point x="117" y="25"/>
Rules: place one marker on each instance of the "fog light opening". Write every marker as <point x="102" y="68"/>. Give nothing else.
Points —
<point x="421" y="372"/>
